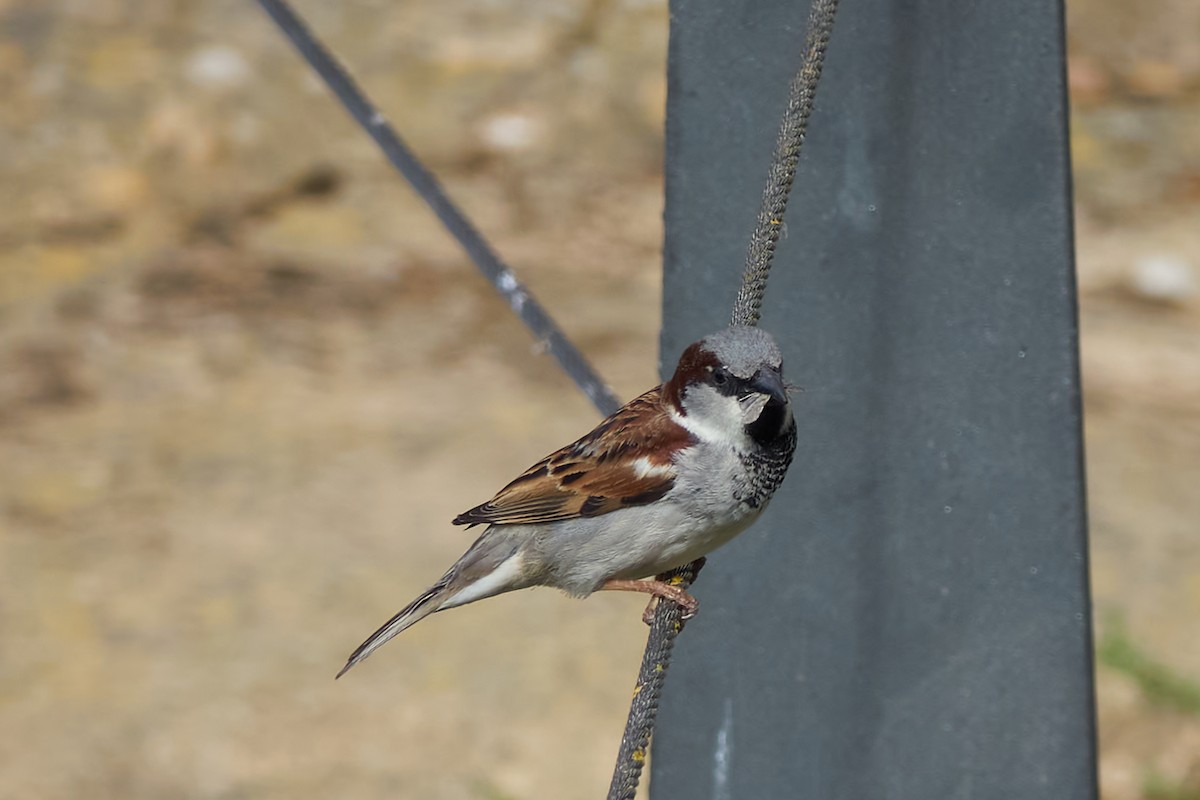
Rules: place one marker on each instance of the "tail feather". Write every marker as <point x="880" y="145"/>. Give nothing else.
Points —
<point x="411" y="614"/>
<point x="492" y="566"/>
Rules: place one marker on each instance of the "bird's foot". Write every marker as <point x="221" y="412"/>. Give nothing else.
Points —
<point x="659" y="590"/>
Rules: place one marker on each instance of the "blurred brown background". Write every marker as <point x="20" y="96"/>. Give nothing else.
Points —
<point x="246" y="380"/>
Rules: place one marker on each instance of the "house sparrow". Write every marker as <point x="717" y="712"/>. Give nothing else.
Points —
<point x="672" y="475"/>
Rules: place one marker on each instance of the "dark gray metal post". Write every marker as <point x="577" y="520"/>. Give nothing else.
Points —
<point x="910" y="619"/>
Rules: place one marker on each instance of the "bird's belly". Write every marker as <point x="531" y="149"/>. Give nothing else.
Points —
<point x="633" y="543"/>
<point x="684" y="549"/>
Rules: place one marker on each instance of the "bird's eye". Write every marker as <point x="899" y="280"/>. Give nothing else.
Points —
<point x="720" y="376"/>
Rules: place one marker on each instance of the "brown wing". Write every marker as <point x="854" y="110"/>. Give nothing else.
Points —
<point x="625" y="461"/>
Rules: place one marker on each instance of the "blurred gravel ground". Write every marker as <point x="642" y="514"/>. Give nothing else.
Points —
<point x="245" y="381"/>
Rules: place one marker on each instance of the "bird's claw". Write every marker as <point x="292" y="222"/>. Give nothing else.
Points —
<point x="690" y="605"/>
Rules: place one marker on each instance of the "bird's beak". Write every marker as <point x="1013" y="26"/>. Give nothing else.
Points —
<point x="770" y="383"/>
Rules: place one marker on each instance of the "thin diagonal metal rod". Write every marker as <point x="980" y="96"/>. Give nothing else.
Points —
<point x="666" y="625"/>
<point x="769" y="224"/>
<point x="668" y="617"/>
<point x="522" y="302"/>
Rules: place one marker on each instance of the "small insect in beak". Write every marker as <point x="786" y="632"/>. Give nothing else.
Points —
<point x="769" y="382"/>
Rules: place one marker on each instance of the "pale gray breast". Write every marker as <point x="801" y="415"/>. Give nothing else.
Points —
<point x="715" y="483"/>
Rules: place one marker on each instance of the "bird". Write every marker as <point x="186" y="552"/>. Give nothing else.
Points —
<point x="670" y="476"/>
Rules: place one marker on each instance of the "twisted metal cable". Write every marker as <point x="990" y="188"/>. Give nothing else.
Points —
<point x="643" y="711"/>
<point x="767" y="228"/>
<point x="667" y="622"/>
<point x="519" y="298"/>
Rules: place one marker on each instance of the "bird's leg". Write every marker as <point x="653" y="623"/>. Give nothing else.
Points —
<point x="658" y="589"/>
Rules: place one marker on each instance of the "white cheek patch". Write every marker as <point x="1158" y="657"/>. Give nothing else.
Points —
<point x="713" y="418"/>
<point x="752" y="406"/>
